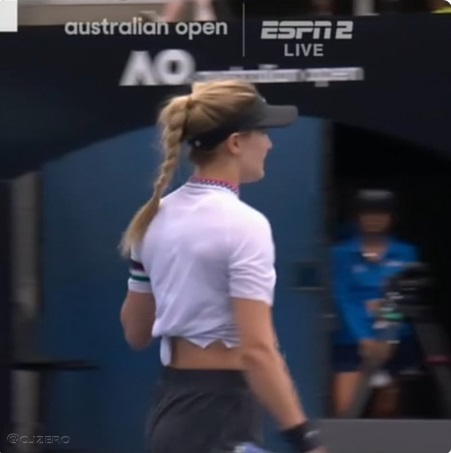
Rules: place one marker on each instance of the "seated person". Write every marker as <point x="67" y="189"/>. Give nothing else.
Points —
<point x="361" y="266"/>
<point x="174" y="11"/>
<point x="322" y="7"/>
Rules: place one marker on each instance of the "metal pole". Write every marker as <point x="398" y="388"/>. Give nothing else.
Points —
<point x="25" y="293"/>
<point x="6" y="345"/>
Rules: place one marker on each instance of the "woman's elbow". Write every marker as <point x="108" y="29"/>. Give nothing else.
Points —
<point x="137" y="340"/>
<point x="258" y="354"/>
<point x="137" y="336"/>
<point x="137" y="323"/>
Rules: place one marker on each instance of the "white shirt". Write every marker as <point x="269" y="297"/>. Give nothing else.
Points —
<point x="204" y="247"/>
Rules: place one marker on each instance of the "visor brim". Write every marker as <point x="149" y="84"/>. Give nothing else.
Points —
<point x="275" y="116"/>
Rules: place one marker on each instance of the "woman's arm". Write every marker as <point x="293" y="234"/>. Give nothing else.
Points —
<point x="138" y="310"/>
<point x="137" y="318"/>
<point x="252" y="282"/>
<point x="263" y="364"/>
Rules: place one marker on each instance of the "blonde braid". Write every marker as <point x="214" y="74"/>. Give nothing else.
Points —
<point x="173" y="118"/>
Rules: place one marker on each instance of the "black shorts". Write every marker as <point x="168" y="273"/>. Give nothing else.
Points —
<point x="203" y="411"/>
<point x="346" y="357"/>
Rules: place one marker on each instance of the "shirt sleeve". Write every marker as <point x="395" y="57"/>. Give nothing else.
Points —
<point x="138" y="280"/>
<point x="351" y="313"/>
<point x="252" y="273"/>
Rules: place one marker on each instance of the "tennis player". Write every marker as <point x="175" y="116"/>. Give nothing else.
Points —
<point x="202" y="280"/>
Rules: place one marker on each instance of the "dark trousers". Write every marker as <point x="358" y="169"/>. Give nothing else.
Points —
<point x="203" y="411"/>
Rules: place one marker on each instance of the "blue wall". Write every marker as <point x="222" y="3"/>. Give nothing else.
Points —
<point x="89" y="197"/>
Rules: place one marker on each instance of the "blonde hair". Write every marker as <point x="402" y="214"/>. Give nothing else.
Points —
<point x="208" y="106"/>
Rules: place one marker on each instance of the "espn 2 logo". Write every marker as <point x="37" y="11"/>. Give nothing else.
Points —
<point x="307" y="29"/>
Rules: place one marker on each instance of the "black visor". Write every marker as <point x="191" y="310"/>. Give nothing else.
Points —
<point x="259" y="115"/>
<point x="375" y="201"/>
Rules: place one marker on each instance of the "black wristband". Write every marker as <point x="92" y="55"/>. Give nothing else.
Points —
<point x="303" y="438"/>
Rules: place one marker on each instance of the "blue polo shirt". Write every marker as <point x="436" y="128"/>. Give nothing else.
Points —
<point x="355" y="281"/>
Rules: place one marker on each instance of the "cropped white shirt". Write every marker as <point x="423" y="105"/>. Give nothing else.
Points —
<point x="204" y="247"/>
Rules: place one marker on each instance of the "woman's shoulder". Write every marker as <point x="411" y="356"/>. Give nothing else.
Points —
<point x="252" y="213"/>
<point x="245" y="216"/>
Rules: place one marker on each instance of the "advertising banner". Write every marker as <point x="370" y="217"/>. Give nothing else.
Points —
<point x="84" y="81"/>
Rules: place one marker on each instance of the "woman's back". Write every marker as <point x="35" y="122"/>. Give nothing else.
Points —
<point x="186" y="253"/>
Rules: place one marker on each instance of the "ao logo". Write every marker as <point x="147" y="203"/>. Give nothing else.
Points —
<point x="168" y="67"/>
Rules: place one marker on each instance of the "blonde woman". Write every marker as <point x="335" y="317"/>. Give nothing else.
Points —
<point x="202" y="279"/>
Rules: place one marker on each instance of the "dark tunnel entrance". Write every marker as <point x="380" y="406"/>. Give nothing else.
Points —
<point x="420" y="177"/>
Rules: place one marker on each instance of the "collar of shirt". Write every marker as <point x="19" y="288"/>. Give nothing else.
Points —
<point x="203" y="183"/>
<point x="389" y="254"/>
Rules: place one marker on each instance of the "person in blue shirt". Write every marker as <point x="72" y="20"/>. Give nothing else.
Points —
<point x="360" y="267"/>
